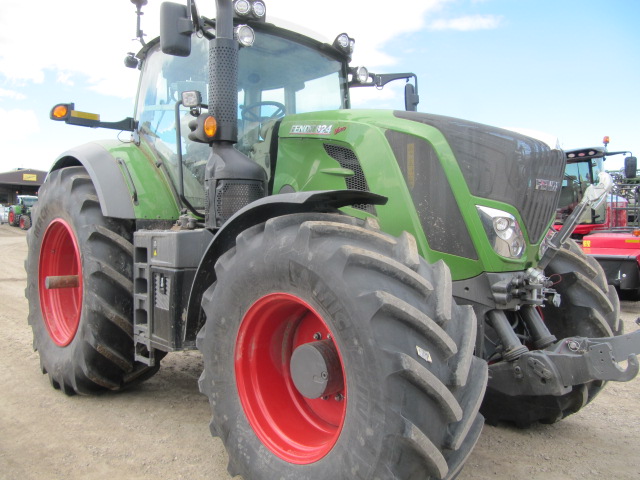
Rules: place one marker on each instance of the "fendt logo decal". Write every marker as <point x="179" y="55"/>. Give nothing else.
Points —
<point x="311" y="129"/>
<point x="547" y="185"/>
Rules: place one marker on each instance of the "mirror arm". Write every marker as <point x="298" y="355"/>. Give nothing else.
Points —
<point x="594" y="195"/>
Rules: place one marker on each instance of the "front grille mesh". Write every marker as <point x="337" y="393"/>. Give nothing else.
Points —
<point x="348" y="159"/>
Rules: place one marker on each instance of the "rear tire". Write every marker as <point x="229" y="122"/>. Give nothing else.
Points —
<point x="84" y="334"/>
<point x="406" y="387"/>
<point x="589" y="308"/>
<point x="12" y="217"/>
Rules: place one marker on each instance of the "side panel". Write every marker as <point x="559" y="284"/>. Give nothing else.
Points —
<point x="128" y="182"/>
<point x="305" y="161"/>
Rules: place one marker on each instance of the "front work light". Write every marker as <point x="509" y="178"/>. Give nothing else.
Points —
<point x="503" y="232"/>
<point x="360" y="74"/>
<point x="245" y="35"/>
<point x="345" y="44"/>
<point x="191" y="98"/>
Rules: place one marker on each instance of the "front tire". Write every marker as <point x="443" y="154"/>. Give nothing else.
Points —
<point x="83" y="332"/>
<point x="399" y="388"/>
<point x="25" y="222"/>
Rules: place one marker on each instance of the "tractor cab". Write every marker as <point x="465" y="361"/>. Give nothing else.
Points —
<point x="277" y="76"/>
<point x="584" y="166"/>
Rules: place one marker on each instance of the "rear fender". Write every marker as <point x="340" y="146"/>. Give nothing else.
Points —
<point x="253" y="214"/>
<point x="113" y="193"/>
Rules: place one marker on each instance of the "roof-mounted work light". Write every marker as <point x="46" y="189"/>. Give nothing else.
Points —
<point x="250" y="10"/>
<point x="345" y="44"/>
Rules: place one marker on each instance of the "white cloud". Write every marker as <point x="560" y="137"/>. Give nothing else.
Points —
<point x="372" y="27"/>
<point x="18" y="127"/>
<point x="12" y="94"/>
<point x="82" y="37"/>
<point x="468" y="23"/>
<point x="65" y="78"/>
<point x="91" y="38"/>
<point x="18" y="124"/>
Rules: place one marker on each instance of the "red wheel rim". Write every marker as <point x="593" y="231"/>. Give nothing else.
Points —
<point x="12" y="218"/>
<point x="296" y="429"/>
<point x="21" y="222"/>
<point x="61" y="307"/>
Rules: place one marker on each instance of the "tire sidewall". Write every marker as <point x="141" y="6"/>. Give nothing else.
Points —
<point x="53" y="357"/>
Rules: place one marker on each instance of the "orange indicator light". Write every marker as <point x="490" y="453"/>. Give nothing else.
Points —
<point x="210" y="126"/>
<point x="60" y="111"/>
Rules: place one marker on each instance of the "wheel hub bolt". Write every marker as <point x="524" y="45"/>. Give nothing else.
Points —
<point x="573" y="345"/>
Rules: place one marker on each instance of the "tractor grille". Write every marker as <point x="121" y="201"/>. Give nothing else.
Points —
<point x="504" y="166"/>
<point x="348" y="159"/>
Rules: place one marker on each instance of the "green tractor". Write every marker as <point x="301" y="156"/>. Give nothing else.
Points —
<point x="20" y="213"/>
<point x="364" y="286"/>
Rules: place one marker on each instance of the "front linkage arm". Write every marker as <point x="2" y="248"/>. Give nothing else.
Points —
<point x="572" y="361"/>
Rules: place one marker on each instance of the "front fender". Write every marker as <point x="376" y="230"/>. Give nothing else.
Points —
<point x="258" y="212"/>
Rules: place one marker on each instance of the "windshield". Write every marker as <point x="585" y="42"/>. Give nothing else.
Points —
<point x="577" y="177"/>
<point x="276" y="77"/>
<point x="29" y="201"/>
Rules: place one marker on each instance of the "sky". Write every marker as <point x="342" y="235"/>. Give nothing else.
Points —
<point x="567" y="68"/>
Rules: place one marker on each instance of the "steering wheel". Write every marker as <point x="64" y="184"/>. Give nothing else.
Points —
<point x="249" y="114"/>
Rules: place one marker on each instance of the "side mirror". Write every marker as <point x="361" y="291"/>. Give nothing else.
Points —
<point x="411" y="98"/>
<point x="630" y="167"/>
<point x="175" y="29"/>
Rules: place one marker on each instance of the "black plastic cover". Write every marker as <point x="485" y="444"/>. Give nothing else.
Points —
<point x="432" y="195"/>
<point x="504" y="166"/>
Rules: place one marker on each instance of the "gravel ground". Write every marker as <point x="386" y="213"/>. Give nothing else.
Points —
<point x="159" y="430"/>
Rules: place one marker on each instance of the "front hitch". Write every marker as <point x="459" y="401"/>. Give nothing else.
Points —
<point x="571" y="361"/>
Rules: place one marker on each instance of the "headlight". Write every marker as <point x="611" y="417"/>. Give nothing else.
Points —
<point x="503" y="231"/>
